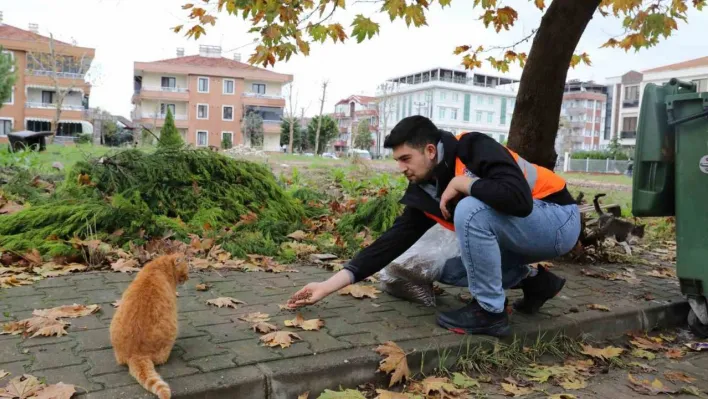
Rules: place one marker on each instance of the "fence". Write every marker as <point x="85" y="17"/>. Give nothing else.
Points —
<point x="610" y="166"/>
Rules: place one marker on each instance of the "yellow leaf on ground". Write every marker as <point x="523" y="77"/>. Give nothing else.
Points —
<point x="641" y="353"/>
<point x="464" y="381"/>
<point x="644" y="343"/>
<point x="644" y="367"/>
<point x="199" y="264"/>
<point x="225" y="301"/>
<point x="263" y="327"/>
<point x="384" y="394"/>
<point x="515" y="390"/>
<point x="56" y="391"/>
<point x="255" y="317"/>
<point x="307" y="325"/>
<point x="21" y="387"/>
<point x="647" y="387"/>
<point x="360" y="291"/>
<point x="676" y="376"/>
<point x="125" y="265"/>
<point x="575" y="383"/>
<point x="13" y="281"/>
<point x="395" y="362"/>
<point x="602" y="353"/>
<point x="282" y="338"/>
<point x="201" y="287"/>
<point x="442" y="386"/>
<point x="71" y="311"/>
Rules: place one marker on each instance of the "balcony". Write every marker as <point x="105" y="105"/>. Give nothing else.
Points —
<point x="268" y="100"/>
<point x="64" y="107"/>
<point x="60" y="75"/>
<point x="576" y="110"/>
<point x="577" y="124"/>
<point x="162" y="93"/>
<point x="630" y="103"/>
<point x="259" y="95"/>
<point x="158" y="119"/>
<point x="628" y="134"/>
<point x="158" y="115"/>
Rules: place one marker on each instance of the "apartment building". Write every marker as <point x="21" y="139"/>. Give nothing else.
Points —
<point x="209" y="95"/>
<point x="33" y="104"/>
<point x="583" y="117"/>
<point x="455" y="100"/>
<point x="348" y="113"/>
<point x="630" y="86"/>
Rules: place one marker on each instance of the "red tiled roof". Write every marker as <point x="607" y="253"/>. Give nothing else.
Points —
<point x="359" y="99"/>
<point x="695" y="63"/>
<point x="13" y="33"/>
<point x="210" y="62"/>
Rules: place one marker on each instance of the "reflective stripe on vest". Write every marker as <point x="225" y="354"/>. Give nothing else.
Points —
<point x="542" y="182"/>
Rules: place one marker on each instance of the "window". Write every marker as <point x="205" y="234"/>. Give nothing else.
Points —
<point x="227" y="112"/>
<point x="165" y="107"/>
<point x="480" y="99"/>
<point x="203" y="85"/>
<point x="479" y="116"/>
<point x="229" y="87"/>
<point x="258" y="88"/>
<point x="273" y="114"/>
<point x="631" y="93"/>
<point x="441" y="112"/>
<point x="490" y="117"/>
<point x="5" y="127"/>
<point x="455" y="97"/>
<point x="202" y="138"/>
<point x="11" y="99"/>
<point x="47" y="97"/>
<point x="202" y="111"/>
<point x="701" y="85"/>
<point x="453" y="114"/>
<point x="169" y="83"/>
<point x="491" y="100"/>
<point x="12" y="58"/>
<point x="629" y="124"/>
<point x="229" y="136"/>
<point x="443" y="95"/>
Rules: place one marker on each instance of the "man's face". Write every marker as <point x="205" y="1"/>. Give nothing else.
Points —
<point x="415" y="163"/>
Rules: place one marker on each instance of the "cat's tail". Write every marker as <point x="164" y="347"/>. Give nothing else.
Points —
<point x="143" y="370"/>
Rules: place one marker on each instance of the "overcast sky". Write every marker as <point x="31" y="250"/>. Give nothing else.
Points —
<point x="124" y="31"/>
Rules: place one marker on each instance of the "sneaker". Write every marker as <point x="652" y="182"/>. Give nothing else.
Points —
<point x="473" y="319"/>
<point x="537" y="290"/>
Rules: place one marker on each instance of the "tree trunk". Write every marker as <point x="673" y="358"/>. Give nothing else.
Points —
<point x="290" y="143"/>
<point x="319" y="119"/>
<point x="534" y="124"/>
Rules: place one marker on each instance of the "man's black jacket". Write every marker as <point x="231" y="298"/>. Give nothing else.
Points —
<point x="501" y="185"/>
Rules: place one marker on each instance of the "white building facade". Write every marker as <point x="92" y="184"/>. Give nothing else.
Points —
<point x="455" y="100"/>
<point x="629" y="89"/>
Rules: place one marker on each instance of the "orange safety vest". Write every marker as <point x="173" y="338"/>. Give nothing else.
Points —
<point x="543" y="182"/>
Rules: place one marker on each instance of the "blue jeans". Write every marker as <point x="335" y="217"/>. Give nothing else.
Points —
<point x="496" y="248"/>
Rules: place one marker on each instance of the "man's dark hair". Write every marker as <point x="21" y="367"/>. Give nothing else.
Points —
<point x="416" y="131"/>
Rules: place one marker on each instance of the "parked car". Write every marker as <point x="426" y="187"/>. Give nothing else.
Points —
<point x="364" y="154"/>
<point x="329" y="155"/>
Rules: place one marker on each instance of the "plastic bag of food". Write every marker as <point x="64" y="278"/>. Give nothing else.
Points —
<point x="411" y="275"/>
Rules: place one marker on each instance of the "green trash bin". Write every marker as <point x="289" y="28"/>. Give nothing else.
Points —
<point x="671" y="179"/>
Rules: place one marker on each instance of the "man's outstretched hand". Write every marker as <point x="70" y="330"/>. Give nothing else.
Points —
<point x="308" y="295"/>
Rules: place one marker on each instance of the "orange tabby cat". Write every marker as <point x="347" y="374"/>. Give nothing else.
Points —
<point x="144" y="327"/>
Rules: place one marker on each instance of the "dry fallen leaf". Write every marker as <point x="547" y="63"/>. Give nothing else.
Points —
<point x="71" y="311"/>
<point x="3" y="374"/>
<point x="384" y="394"/>
<point x="201" y="287"/>
<point x="117" y="303"/>
<point x="263" y="327"/>
<point x="359" y="291"/>
<point x="37" y="326"/>
<point x="562" y="396"/>
<point x="595" y="306"/>
<point x="572" y="384"/>
<point x="56" y="391"/>
<point x="675" y="353"/>
<point x="199" y="264"/>
<point x="282" y="338"/>
<point x="647" y="387"/>
<point x="648" y="344"/>
<point x="307" y="325"/>
<point x="515" y="390"/>
<point x="33" y="257"/>
<point x="691" y="390"/>
<point x="602" y="353"/>
<point x="464" y="381"/>
<point x="662" y="273"/>
<point x="10" y="207"/>
<point x="644" y="367"/>
<point x="13" y="281"/>
<point x="255" y="317"/>
<point x="442" y="386"/>
<point x="394" y="362"/>
<point x="676" y="376"/>
<point x="641" y="353"/>
<point x="298" y="235"/>
<point x="21" y="387"/>
<point x="125" y="265"/>
<point x="304" y="395"/>
<point x="225" y="301"/>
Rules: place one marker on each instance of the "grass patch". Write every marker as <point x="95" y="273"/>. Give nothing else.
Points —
<point x="604" y="178"/>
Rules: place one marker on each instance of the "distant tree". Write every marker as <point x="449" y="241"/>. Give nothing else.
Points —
<point x="169" y="135"/>
<point x="328" y="131"/>
<point x="297" y="134"/>
<point x="8" y="75"/>
<point x="252" y="129"/>
<point x="362" y="139"/>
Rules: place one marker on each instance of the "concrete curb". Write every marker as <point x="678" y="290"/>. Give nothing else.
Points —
<point x="289" y="378"/>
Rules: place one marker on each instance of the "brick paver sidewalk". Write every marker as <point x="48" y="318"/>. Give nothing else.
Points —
<point x="217" y="355"/>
